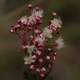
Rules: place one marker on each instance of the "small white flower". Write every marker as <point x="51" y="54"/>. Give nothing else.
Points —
<point x="56" y="22"/>
<point x="60" y="43"/>
<point x="37" y="13"/>
<point x="24" y="19"/>
<point x="40" y="39"/>
<point x="28" y="59"/>
<point x="30" y="48"/>
<point x="32" y="20"/>
<point x="47" y="32"/>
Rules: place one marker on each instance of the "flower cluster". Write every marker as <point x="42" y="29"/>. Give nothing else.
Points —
<point x="39" y="56"/>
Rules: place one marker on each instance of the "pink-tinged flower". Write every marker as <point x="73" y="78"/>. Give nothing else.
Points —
<point x="47" y="57"/>
<point x="23" y="47"/>
<point x="24" y="19"/>
<point x="32" y="67"/>
<point x="49" y="49"/>
<point x="54" y="58"/>
<point x="47" y="32"/>
<point x="56" y="22"/>
<point x="38" y="52"/>
<point x="38" y="70"/>
<point x="37" y="8"/>
<point x="41" y="75"/>
<point x="37" y="12"/>
<point x="49" y="66"/>
<point x="34" y="57"/>
<point x="55" y="53"/>
<point x="30" y="6"/>
<point x="32" y="20"/>
<point x="37" y="31"/>
<point x="30" y="49"/>
<point x="41" y="60"/>
<point x="12" y="30"/>
<point x="28" y="59"/>
<point x="54" y="14"/>
<point x="60" y="43"/>
<point x="43" y="69"/>
<point x="22" y="32"/>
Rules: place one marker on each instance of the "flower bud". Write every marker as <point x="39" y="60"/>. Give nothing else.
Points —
<point x="42" y="75"/>
<point x="43" y="69"/>
<point x="37" y="8"/>
<point x="47" y="57"/>
<point x="34" y="57"/>
<point x="58" y="32"/>
<point x="30" y="6"/>
<point x="11" y="30"/>
<point x="38" y="70"/>
<point x="49" y="66"/>
<point x="41" y="60"/>
<point x="32" y="67"/>
<point x="54" y="14"/>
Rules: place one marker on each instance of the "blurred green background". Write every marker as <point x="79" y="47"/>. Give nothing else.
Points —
<point x="67" y="65"/>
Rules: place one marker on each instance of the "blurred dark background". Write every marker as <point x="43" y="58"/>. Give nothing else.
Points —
<point x="67" y="65"/>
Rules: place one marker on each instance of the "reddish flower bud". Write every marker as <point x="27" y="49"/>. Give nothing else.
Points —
<point x="43" y="69"/>
<point x="42" y="75"/>
<point x="30" y="6"/>
<point x="55" y="44"/>
<point x="49" y="49"/>
<point x="19" y="21"/>
<point x="28" y="24"/>
<point x="47" y="57"/>
<point x="49" y="66"/>
<point x="11" y="30"/>
<point x="41" y="46"/>
<point x="23" y="32"/>
<point x="40" y="22"/>
<point x="55" y="53"/>
<point x="54" y="58"/>
<point x="58" y="32"/>
<point x="41" y="60"/>
<point x="37" y="18"/>
<point x="38" y="70"/>
<point x="33" y="42"/>
<point x="30" y="28"/>
<point x="32" y="67"/>
<point x="34" y="57"/>
<point x="54" y="14"/>
<point x="37" y="31"/>
<point x="31" y="37"/>
<point x="23" y="47"/>
<point x="54" y="29"/>
<point x="39" y="52"/>
<point x="37" y="8"/>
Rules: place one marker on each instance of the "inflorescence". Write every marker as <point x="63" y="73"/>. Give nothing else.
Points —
<point x="39" y="55"/>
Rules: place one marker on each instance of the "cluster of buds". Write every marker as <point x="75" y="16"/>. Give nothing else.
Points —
<point x="39" y="55"/>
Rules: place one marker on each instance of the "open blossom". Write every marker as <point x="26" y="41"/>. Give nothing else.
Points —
<point x="60" y="43"/>
<point x="56" y="22"/>
<point x="40" y="39"/>
<point x="24" y="19"/>
<point x="28" y="59"/>
<point x="30" y="48"/>
<point x="47" y="32"/>
<point x="37" y="13"/>
<point x="32" y="20"/>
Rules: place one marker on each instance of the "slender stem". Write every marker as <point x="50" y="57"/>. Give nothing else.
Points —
<point x="18" y="35"/>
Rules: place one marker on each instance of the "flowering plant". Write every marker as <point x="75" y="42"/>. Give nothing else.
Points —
<point x="38" y="54"/>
